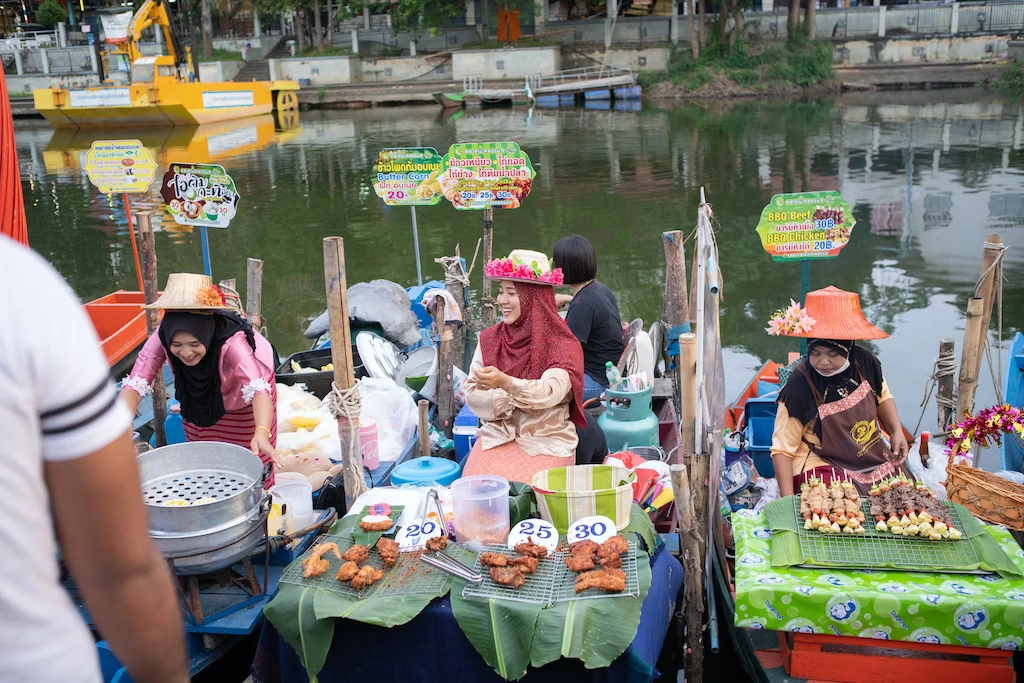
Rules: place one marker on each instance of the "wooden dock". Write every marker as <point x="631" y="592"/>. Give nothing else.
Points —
<point x="586" y="82"/>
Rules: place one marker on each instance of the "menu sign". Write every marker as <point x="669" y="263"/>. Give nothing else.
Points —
<point x="117" y="166"/>
<point x="199" y="194"/>
<point x="408" y="176"/>
<point x="807" y="225"/>
<point x="486" y="175"/>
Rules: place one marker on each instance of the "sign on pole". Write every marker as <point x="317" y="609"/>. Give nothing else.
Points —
<point x="805" y="225"/>
<point x="407" y="176"/>
<point x="486" y="175"/>
<point x="119" y="166"/>
<point x="200" y="195"/>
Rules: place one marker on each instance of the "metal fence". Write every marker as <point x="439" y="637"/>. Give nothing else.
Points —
<point x="55" y="60"/>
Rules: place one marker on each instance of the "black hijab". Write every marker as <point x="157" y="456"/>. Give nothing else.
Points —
<point x="197" y="388"/>
<point x="798" y="397"/>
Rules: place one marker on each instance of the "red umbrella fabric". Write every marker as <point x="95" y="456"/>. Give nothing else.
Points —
<point x="12" y="203"/>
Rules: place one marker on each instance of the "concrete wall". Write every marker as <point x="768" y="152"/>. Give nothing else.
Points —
<point x="497" y="64"/>
<point x="1015" y="50"/>
<point x="218" y="72"/>
<point x="319" y="70"/>
<point x="910" y="50"/>
<point x="393" y="69"/>
<point x="637" y="59"/>
<point x="236" y="44"/>
<point x="22" y="85"/>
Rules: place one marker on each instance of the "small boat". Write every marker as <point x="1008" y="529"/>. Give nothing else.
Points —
<point x="449" y="100"/>
<point x="1013" y="394"/>
<point x="121" y="326"/>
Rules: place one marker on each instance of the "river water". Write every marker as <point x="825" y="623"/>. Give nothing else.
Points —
<point x="928" y="176"/>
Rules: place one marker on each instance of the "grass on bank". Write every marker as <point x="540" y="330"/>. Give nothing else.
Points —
<point x="801" y="62"/>
<point x="1011" y="82"/>
<point x="326" y="52"/>
<point x="221" y="55"/>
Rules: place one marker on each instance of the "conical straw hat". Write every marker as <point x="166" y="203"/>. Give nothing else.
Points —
<point x="837" y="315"/>
<point x="190" y="292"/>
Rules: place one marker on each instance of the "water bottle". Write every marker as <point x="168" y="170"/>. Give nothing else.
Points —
<point x="613" y="375"/>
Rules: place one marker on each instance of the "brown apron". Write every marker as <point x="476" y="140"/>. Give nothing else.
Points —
<point x="851" y="439"/>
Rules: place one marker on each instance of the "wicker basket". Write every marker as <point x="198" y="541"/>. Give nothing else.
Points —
<point x="988" y="497"/>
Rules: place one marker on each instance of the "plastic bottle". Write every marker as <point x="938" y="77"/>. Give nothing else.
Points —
<point x="613" y="375"/>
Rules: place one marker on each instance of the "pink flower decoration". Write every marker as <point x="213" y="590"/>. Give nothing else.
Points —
<point x="792" y="320"/>
<point x="505" y="268"/>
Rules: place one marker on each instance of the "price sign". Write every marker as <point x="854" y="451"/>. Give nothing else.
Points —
<point x="416" y="535"/>
<point x="486" y="175"/>
<point x="540" y="532"/>
<point x="598" y="529"/>
<point x="117" y="166"/>
<point x="199" y="194"/>
<point x="407" y="176"/>
<point x="808" y="225"/>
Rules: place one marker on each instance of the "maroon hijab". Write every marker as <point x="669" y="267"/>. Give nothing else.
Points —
<point x="539" y="340"/>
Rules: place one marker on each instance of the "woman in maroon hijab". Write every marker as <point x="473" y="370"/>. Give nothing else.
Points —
<point x="526" y="379"/>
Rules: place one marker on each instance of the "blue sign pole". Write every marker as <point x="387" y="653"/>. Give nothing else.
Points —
<point x="206" y="250"/>
<point x="805" y="286"/>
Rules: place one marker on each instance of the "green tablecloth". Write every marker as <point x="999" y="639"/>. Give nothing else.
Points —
<point x="957" y="609"/>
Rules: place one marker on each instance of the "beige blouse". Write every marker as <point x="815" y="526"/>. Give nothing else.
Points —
<point x="533" y="412"/>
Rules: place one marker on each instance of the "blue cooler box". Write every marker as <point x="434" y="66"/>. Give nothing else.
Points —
<point x="464" y="433"/>
<point x="759" y="415"/>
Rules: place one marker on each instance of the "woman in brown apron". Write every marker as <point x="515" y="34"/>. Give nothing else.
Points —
<point x="827" y="424"/>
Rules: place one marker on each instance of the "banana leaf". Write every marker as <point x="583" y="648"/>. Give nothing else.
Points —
<point x="641" y="525"/>
<point x="350" y="525"/>
<point x="521" y="502"/>
<point x="293" y="614"/>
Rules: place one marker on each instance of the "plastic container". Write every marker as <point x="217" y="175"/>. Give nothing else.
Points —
<point x="438" y="470"/>
<point x="480" y="506"/>
<point x="298" y="497"/>
<point x="759" y="415"/>
<point x="317" y="383"/>
<point x="368" y="444"/>
<point x="464" y="433"/>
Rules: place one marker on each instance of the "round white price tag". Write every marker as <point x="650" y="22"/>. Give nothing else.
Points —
<point x="540" y="532"/>
<point x="598" y="529"/>
<point x="415" y="535"/>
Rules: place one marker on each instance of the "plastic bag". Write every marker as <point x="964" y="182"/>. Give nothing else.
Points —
<point x="394" y="411"/>
<point x="933" y="476"/>
<point x="769" y="492"/>
<point x="1015" y="477"/>
<point x="291" y="400"/>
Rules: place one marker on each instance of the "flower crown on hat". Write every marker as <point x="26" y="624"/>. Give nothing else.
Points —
<point x="514" y="269"/>
<point x="792" y="320"/>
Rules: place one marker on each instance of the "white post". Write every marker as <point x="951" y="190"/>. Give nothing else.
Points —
<point x="470" y="12"/>
<point x="673" y="27"/>
<point x="94" y="60"/>
<point x="355" y="42"/>
<point x="609" y="20"/>
<point x="412" y="47"/>
<point x="62" y="34"/>
<point x="767" y="5"/>
<point x="540" y="9"/>
<point x="284" y="25"/>
<point x="275" y="69"/>
<point x="256" y="29"/>
<point x="881" y="20"/>
<point x="954" y="18"/>
<point x="19" y="65"/>
<point x="366" y="18"/>
<point x="46" y="60"/>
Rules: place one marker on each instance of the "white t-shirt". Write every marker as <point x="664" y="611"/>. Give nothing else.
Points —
<point x="56" y="403"/>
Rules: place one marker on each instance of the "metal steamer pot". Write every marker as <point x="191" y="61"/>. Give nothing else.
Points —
<point x="204" y="537"/>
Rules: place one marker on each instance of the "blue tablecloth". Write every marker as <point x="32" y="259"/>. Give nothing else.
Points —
<point x="363" y="653"/>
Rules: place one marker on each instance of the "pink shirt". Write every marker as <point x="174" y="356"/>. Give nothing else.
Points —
<point x="243" y="373"/>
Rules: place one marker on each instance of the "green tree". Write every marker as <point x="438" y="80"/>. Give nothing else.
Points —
<point x="426" y="15"/>
<point x="50" y="13"/>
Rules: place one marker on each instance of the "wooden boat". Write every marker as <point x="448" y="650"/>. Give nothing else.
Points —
<point x="449" y="100"/>
<point x="1013" y="393"/>
<point x="121" y="326"/>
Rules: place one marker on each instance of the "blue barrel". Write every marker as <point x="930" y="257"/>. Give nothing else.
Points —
<point x="426" y="469"/>
<point x="628" y="420"/>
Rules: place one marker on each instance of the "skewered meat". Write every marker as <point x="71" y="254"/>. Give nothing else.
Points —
<point x="611" y="580"/>
<point x="525" y="564"/>
<point x="347" y="571"/>
<point x="357" y="553"/>
<point x="493" y="560"/>
<point x="507" y="576"/>
<point x="315" y="565"/>
<point x="437" y="543"/>
<point x="388" y="551"/>
<point x="367" y="576"/>
<point x="531" y="549"/>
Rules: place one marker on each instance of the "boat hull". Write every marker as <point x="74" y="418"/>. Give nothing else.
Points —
<point x="1012" y="448"/>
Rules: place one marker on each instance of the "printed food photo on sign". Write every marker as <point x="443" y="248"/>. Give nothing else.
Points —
<point x="408" y="176"/>
<point x="807" y="225"/>
<point x="199" y="195"/>
<point x="486" y="175"/>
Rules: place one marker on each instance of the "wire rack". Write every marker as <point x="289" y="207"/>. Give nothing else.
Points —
<point x="565" y="586"/>
<point x="408" y="576"/>
<point x="881" y="549"/>
<point x="538" y="588"/>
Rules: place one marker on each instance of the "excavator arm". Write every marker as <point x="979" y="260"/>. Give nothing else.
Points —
<point x="153" y="13"/>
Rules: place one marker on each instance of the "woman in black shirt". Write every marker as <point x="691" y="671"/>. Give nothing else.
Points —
<point x="593" y="314"/>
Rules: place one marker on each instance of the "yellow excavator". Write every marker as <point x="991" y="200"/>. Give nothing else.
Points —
<point x="162" y="91"/>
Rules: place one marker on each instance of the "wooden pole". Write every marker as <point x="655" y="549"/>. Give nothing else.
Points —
<point x="692" y="313"/>
<point x="690" y="544"/>
<point x="424" y="426"/>
<point x="453" y="274"/>
<point x="230" y="282"/>
<point x="688" y="392"/>
<point x="487" y="303"/>
<point x="341" y="356"/>
<point x="447" y="356"/>
<point x="970" y="361"/>
<point x="944" y="397"/>
<point x="675" y="310"/>
<point x="988" y="279"/>
<point x="150" y="293"/>
<point x="254" y="292"/>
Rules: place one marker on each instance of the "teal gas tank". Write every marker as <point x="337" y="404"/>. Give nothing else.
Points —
<point x="628" y="420"/>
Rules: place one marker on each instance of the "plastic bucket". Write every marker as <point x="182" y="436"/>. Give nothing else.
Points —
<point x="298" y="496"/>
<point x="480" y="504"/>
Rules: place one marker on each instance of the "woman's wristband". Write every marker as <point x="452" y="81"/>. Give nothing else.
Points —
<point x="265" y="430"/>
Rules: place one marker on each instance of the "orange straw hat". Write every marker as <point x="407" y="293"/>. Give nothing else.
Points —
<point x="829" y="313"/>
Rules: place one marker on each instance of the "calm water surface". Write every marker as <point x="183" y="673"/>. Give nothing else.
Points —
<point x="927" y="175"/>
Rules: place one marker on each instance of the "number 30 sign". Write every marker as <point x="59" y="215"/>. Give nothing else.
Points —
<point x="598" y="529"/>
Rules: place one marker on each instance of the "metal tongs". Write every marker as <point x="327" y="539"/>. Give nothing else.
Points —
<point x="440" y="560"/>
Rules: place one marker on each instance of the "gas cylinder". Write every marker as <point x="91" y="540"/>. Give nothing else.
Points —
<point x="628" y="420"/>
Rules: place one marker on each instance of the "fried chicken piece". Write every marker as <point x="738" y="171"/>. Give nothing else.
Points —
<point x="357" y="554"/>
<point x="611" y="562"/>
<point x="580" y="562"/>
<point x="437" y="543"/>
<point x="347" y="571"/>
<point x="376" y="523"/>
<point x="583" y="547"/>
<point x="611" y="580"/>
<point x="531" y="549"/>
<point x="507" y="576"/>
<point x="493" y="560"/>
<point x="388" y="551"/>
<point x="367" y="576"/>
<point x="315" y="565"/>
<point x="616" y="545"/>
<point x="525" y="564"/>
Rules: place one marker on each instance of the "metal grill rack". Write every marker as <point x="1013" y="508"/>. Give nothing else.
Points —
<point x="538" y="588"/>
<point x="215" y="484"/>
<point x="882" y="550"/>
<point x="565" y="586"/>
<point x="408" y="576"/>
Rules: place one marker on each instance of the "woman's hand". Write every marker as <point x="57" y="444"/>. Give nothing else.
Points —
<point x="563" y="300"/>
<point x="261" y="444"/>
<point x="898" y="444"/>
<point x="491" y="377"/>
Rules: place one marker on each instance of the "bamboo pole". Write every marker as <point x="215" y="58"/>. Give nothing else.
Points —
<point x="487" y="303"/>
<point x="254" y="292"/>
<point x="987" y="283"/>
<point x="688" y="392"/>
<point x="690" y="543"/>
<point x="970" y="361"/>
<point x="692" y="313"/>
<point x="675" y="310"/>
<point x="341" y="356"/>
<point x="230" y="282"/>
<point x="447" y="357"/>
<point x="150" y="292"/>
<point x="944" y="397"/>
<point x="424" y="426"/>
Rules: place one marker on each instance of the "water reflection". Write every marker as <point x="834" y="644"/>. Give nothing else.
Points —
<point x="927" y="181"/>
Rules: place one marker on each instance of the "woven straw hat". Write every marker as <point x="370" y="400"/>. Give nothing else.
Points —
<point x="523" y="265"/>
<point x="837" y="315"/>
<point x="190" y="292"/>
